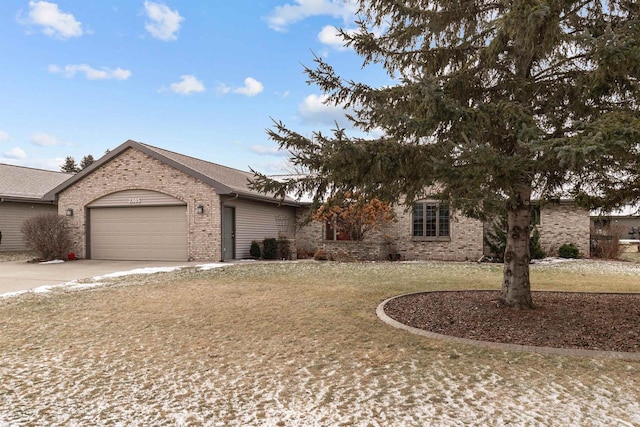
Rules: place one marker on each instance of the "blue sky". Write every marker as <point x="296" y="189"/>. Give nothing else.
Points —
<point x="203" y="78"/>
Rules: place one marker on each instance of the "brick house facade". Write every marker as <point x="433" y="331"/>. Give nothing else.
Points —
<point x="203" y="211"/>
<point x="211" y="214"/>
<point x="558" y="224"/>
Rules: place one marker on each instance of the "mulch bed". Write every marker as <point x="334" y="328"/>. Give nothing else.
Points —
<point x="608" y="322"/>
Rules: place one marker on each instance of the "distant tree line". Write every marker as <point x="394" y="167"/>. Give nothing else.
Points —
<point x="70" y="165"/>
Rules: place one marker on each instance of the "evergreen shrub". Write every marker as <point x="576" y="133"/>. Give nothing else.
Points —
<point x="568" y="250"/>
<point x="254" y="250"/>
<point x="269" y="248"/>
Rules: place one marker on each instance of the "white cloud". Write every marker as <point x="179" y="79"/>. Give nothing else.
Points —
<point x="4" y="137"/>
<point x="268" y="150"/>
<point x="187" y="85"/>
<point x="90" y="73"/>
<point x="46" y="140"/>
<point x="315" y="110"/>
<point x="329" y="36"/>
<point x="54" y="23"/>
<point x="163" y="22"/>
<point x="251" y="87"/>
<point x="283" y="16"/>
<point x="15" y="153"/>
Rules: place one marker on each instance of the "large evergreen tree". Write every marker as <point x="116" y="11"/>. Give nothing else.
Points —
<point x="496" y="101"/>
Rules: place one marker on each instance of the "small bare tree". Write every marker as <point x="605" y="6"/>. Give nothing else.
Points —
<point x="48" y="235"/>
<point x="606" y="243"/>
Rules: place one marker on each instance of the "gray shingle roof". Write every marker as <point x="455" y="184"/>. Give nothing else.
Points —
<point x="225" y="180"/>
<point x="18" y="182"/>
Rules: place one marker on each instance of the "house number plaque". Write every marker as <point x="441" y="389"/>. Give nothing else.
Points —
<point x="135" y="201"/>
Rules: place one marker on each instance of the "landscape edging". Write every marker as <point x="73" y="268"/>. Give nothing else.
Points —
<point x="577" y="352"/>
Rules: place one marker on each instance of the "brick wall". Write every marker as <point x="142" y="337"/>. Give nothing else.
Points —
<point x="564" y="223"/>
<point x="348" y="251"/>
<point x="465" y="242"/>
<point x="559" y="224"/>
<point x="309" y="236"/>
<point x="135" y="170"/>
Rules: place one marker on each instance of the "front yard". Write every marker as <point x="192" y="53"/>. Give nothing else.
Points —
<point x="291" y="344"/>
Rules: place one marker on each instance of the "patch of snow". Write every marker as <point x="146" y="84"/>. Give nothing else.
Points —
<point x="629" y="241"/>
<point x="9" y="295"/>
<point x="552" y="260"/>
<point x="211" y="266"/>
<point x="146" y="270"/>
<point x="96" y="281"/>
<point x="53" y="261"/>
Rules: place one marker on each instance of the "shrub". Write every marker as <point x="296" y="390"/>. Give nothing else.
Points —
<point x="304" y="253"/>
<point x="535" y="250"/>
<point x="254" y="250"/>
<point x="354" y="216"/>
<point x="48" y="236"/>
<point x="606" y="243"/>
<point x="320" y="255"/>
<point x="568" y="250"/>
<point x="269" y="248"/>
<point x="284" y="248"/>
<point x="496" y="240"/>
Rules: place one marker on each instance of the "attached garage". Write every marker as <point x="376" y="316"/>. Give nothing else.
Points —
<point x="140" y="202"/>
<point x="138" y="225"/>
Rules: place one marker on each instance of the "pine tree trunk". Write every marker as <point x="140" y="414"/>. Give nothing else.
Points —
<point x="516" y="287"/>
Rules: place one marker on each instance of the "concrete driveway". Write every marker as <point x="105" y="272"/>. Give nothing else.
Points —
<point x="20" y="275"/>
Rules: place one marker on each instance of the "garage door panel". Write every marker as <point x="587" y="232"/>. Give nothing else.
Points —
<point x="139" y="233"/>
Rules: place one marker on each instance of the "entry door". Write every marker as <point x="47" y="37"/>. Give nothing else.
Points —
<point x="228" y="233"/>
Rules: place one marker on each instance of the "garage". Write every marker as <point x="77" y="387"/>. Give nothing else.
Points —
<point x="138" y="225"/>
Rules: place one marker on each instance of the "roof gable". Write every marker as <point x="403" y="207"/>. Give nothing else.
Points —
<point x="225" y="180"/>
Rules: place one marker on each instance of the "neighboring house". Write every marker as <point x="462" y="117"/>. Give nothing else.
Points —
<point x="431" y="231"/>
<point x="140" y="202"/>
<point x="626" y="222"/>
<point x="21" y="192"/>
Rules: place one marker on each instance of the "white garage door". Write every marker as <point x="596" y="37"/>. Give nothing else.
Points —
<point x="139" y="233"/>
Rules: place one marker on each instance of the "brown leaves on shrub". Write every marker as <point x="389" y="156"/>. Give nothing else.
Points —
<point x="47" y="235"/>
<point x="355" y="216"/>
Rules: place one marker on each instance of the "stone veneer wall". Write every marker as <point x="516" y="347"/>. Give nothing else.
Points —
<point x="564" y="223"/>
<point x="135" y="170"/>
<point x="348" y="250"/>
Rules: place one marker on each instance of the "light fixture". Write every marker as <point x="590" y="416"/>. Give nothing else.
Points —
<point x="199" y="209"/>
<point x="69" y="212"/>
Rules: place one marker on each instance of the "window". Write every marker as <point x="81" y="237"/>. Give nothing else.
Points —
<point x="334" y="231"/>
<point x="535" y="215"/>
<point x="431" y="219"/>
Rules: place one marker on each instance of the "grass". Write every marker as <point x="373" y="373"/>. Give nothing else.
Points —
<point x="631" y="253"/>
<point x="293" y="344"/>
<point x="16" y="255"/>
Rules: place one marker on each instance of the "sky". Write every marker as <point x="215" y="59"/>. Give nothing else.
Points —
<point x="201" y="78"/>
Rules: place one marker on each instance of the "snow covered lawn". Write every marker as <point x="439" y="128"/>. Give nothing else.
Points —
<point x="284" y="344"/>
